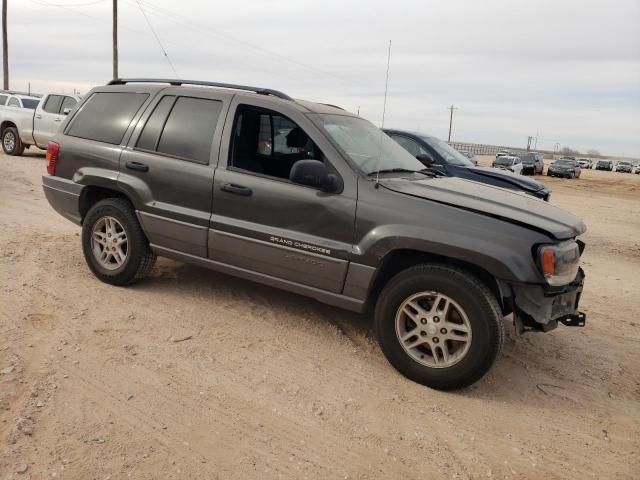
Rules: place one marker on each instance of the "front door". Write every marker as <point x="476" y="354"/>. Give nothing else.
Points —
<point x="264" y="223"/>
<point x="169" y="165"/>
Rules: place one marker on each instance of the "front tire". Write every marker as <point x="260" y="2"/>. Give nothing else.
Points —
<point x="114" y="245"/>
<point x="439" y="326"/>
<point x="11" y="143"/>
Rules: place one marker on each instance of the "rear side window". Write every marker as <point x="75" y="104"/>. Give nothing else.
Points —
<point x="3" y="99"/>
<point x="13" y="102"/>
<point x="52" y="105"/>
<point x="188" y="132"/>
<point x="30" y="103"/>
<point x="149" y="137"/>
<point x="106" y="116"/>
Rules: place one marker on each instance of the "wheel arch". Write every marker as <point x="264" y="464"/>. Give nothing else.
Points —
<point x="6" y="124"/>
<point x="92" y="194"/>
<point x="399" y="260"/>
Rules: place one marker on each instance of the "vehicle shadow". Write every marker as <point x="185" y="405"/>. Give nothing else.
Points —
<point x="531" y="369"/>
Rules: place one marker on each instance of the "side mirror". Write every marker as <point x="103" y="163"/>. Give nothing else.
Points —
<point x="314" y="173"/>
<point x="66" y="111"/>
<point x="425" y="159"/>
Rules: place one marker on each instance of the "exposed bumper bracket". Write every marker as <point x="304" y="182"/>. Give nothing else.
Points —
<point x="574" y="320"/>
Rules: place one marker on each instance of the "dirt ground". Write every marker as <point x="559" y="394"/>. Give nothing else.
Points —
<point x="194" y="374"/>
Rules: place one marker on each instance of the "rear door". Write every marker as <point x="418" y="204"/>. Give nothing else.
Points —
<point x="47" y="119"/>
<point x="266" y="224"/>
<point x="169" y="165"/>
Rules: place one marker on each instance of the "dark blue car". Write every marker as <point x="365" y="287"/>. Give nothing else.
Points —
<point x="444" y="159"/>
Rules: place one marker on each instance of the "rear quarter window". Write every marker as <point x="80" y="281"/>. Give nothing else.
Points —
<point x="105" y="116"/>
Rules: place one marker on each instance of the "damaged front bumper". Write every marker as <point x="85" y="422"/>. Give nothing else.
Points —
<point x="539" y="309"/>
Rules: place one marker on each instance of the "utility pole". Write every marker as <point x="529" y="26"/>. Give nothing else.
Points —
<point x="115" y="38"/>
<point x="5" y="47"/>
<point x="451" y="108"/>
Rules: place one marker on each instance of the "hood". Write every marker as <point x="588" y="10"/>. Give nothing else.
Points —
<point x="520" y="181"/>
<point x="484" y="199"/>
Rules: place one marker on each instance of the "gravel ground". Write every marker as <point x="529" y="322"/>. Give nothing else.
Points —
<point x="194" y="374"/>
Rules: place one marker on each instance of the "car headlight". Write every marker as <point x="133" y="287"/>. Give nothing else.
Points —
<point x="559" y="263"/>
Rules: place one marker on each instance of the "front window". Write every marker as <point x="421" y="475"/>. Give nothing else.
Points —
<point x="564" y="163"/>
<point x="268" y="143"/>
<point x="504" y="161"/>
<point x="450" y="155"/>
<point x="366" y="145"/>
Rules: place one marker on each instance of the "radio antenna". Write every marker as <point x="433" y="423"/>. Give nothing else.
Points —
<point x="384" y="111"/>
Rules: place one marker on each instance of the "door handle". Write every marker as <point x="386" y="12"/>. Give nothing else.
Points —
<point x="57" y="119"/>
<point x="237" y="189"/>
<point x="140" y="167"/>
<point x="39" y="117"/>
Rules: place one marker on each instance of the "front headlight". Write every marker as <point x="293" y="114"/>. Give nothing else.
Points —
<point x="559" y="263"/>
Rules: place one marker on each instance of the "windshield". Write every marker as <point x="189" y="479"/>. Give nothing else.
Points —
<point x="447" y="152"/>
<point x="30" y="103"/>
<point x="564" y="163"/>
<point x="503" y="161"/>
<point x="366" y="145"/>
<point x="626" y="164"/>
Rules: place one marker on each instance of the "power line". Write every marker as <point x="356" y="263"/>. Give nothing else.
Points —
<point x="157" y="39"/>
<point x="173" y="17"/>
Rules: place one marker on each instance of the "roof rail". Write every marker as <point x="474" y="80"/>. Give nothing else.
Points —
<point x="333" y="106"/>
<point x="175" y="82"/>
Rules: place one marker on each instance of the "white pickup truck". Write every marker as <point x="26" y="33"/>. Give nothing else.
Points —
<point x="27" y="120"/>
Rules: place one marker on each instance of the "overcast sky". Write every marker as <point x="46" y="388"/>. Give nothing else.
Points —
<point x="568" y="71"/>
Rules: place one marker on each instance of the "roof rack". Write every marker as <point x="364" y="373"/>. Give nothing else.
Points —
<point x="175" y="82"/>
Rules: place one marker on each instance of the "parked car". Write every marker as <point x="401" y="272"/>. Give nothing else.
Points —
<point x="564" y="167"/>
<point x="532" y="163"/>
<point x="624" y="167"/>
<point x="638" y="168"/>
<point x="503" y="153"/>
<point x="604" y="165"/>
<point x="345" y="216"/>
<point x="443" y="159"/>
<point x="585" y="163"/>
<point x="471" y="156"/>
<point x="32" y="122"/>
<point x="509" y="163"/>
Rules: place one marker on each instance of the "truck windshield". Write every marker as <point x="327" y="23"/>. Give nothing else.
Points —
<point x="450" y="154"/>
<point x="366" y="145"/>
<point x="30" y="103"/>
<point x="505" y="161"/>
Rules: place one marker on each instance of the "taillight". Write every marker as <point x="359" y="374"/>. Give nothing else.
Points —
<point x="53" y="149"/>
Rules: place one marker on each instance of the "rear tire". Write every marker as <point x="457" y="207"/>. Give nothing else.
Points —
<point x="114" y="245"/>
<point x="11" y="143"/>
<point x="413" y="328"/>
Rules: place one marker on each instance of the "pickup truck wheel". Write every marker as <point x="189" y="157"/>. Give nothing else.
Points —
<point x="439" y="326"/>
<point x="114" y="245"/>
<point x="11" y="143"/>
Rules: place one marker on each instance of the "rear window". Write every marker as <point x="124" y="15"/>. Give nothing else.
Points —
<point x="106" y="116"/>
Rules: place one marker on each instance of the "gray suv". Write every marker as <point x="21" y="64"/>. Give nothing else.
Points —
<point x="315" y="200"/>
